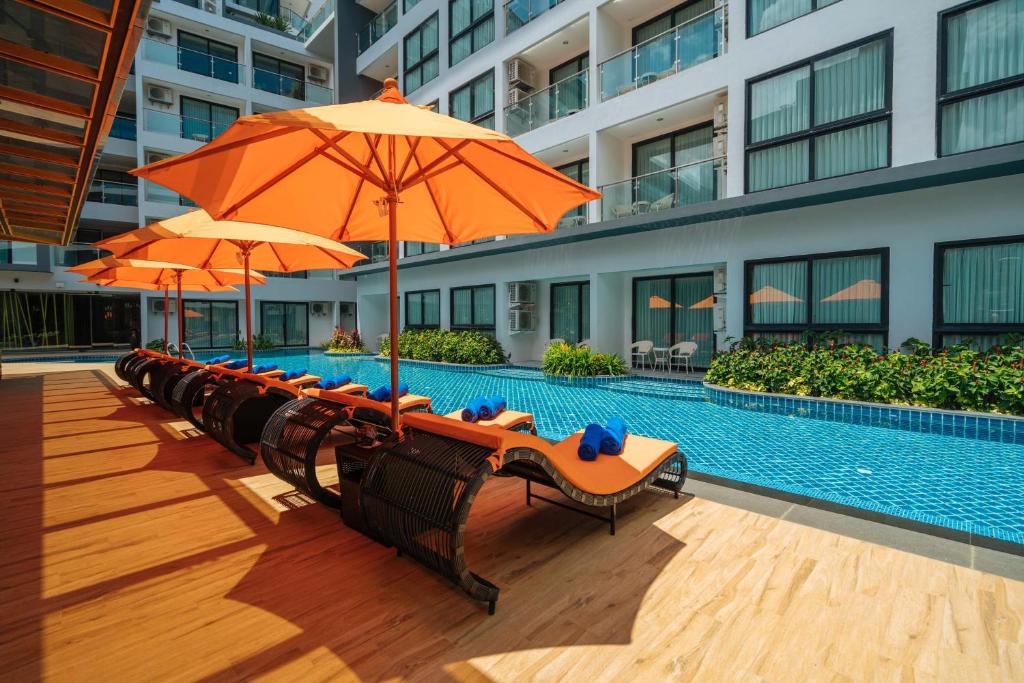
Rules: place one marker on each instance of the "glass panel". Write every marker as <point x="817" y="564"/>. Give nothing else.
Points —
<point x="22" y="253"/>
<point x="462" y="307"/>
<point x="565" y="307"/>
<point x="34" y="320"/>
<point x="432" y="309"/>
<point x="847" y="290"/>
<point x="984" y="44"/>
<point x="986" y="121"/>
<point x="981" y="342"/>
<point x="586" y="312"/>
<point x="983" y="284"/>
<point x="852" y="150"/>
<point x="778" y="166"/>
<point x="198" y="324"/>
<point x="224" y="324"/>
<point x="766" y="14"/>
<point x="778" y="293"/>
<point x="460" y="104"/>
<point x="694" y="310"/>
<point x="652" y="311"/>
<point x="694" y="182"/>
<point x="414" y="308"/>
<point x="483" y="96"/>
<point x="296" y="324"/>
<point x="850" y="83"/>
<point x="780" y="105"/>
<point x="483" y="306"/>
<point x="272" y="322"/>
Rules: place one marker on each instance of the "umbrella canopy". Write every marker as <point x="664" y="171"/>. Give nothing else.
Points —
<point x="341" y="171"/>
<point x="161" y="273"/>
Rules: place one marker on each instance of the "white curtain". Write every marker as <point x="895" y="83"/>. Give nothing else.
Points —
<point x="780" y="105"/>
<point x="985" y="44"/>
<point x="850" y="83"/>
<point x="986" y="121"/>
<point x="983" y="284"/>
<point x="847" y="290"/>
<point x="778" y="166"/>
<point x="764" y="14"/>
<point x="852" y="150"/>
<point x="778" y="293"/>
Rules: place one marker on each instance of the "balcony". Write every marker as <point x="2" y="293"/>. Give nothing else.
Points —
<point x="314" y="22"/>
<point x="560" y="99"/>
<point x="286" y="86"/>
<point x="124" y="127"/>
<point x="192" y="61"/>
<point x="519" y="13"/>
<point x="378" y="26"/>
<point x="691" y="43"/>
<point x="160" y="194"/>
<point x="684" y="185"/>
<point x="169" y="123"/>
<point x="113" y="192"/>
<point x="75" y="255"/>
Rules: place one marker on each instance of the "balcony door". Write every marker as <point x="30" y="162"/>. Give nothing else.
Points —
<point x="207" y="57"/>
<point x="674" y="169"/>
<point x="675" y="308"/>
<point x="203" y="121"/>
<point x="571" y="95"/>
<point x="659" y="53"/>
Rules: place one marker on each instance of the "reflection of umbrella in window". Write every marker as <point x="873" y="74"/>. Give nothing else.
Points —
<point x="660" y="302"/>
<point x="708" y="302"/>
<point x="865" y="290"/>
<point x="771" y="295"/>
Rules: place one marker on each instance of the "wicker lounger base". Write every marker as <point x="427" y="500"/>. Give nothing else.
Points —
<point x="163" y="380"/>
<point x="236" y="413"/>
<point x="140" y="373"/>
<point x="119" y="365"/>
<point x="189" y="394"/>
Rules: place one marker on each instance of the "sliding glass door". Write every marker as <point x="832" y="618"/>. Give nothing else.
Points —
<point x="674" y="308"/>
<point x="210" y="324"/>
<point x="570" y="311"/>
<point x="285" y="323"/>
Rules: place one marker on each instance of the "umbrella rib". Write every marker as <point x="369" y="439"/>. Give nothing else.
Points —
<point x="277" y="255"/>
<point x="413" y="144"/>
<point x="351" y="208"/>
<point x="207" y="151"/>
<point x="550" y="172"/>
<point x="440" y="216"/>
<point x="497" y="188"/>
<point x="360" y="167"/>
<point x="417" y="177"/>
<point x="372" y="144"/>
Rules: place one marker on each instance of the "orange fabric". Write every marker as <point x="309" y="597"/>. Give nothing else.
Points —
<point x="132" y="284"/>
<point x="324" y="170"/>
<point x="506" y="419"/>
<point x="302" y="381"/>
<point x="162" y="273"/>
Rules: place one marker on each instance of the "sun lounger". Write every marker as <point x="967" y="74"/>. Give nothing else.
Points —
<point x="417" y="492"/>
<point x="506" y="419"/>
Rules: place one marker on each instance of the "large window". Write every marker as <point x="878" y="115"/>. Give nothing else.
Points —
<point x="660" y="51"/>
<point x="18" y="253"/>
<point x="826" y="117"/>
<point x="203" y="121"/>
<point x="820" y="293"/>
<point x="279" y="77"/>
<point x="570" y="96"/>
<point x="981" y="76"/>
<point x="472" y="308"/>
<point x="765" y="14"/>
<point x="417" y="248"/>
<point x="422" y="61"/>
<point x="210" y="324"/>
<point x="570" y="311"/>
<point x="207" y="57"/>
<point x="423" y="309"/>
<point x="675" y="169"/>
<point x="979" y="291"/>
<point x="471" y="26"/>
<point x="474" y="102"/>
<point x="580" y="172"/>
<point x="669" y="309"/>
<point x="285" y="323"/>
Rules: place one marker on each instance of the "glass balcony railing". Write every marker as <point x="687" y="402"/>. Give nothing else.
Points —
<point x="159" y="193"/>
<point x="693" y="183"/>
<point x="123" y="127"/>
<point x="185" y="127"/>
<point x="698" y="40"/>
<point x="378" y="252"/>
<point x="323" y="13"/>
<point x="518" y="13"/>
<point x="279" y="84"/>
<point x="378" y="26"/>
<point x="113" y="192"/>
<point x="192" y="61"/>
<point x="75" y="255"/>
<point x="558" y="100"/>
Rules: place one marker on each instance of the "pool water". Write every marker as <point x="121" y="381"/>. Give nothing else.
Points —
<point x="967" y="484"/>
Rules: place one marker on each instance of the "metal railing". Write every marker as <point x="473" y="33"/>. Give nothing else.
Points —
<point x="75" y="255"/>
<point x="279" y="84"/>
<point x="558" y="100"/>
<point x="185" y="127"/>
<point x="317" y="20"/>
<point x="159" y="193"/>
<point x="378" y="252"/>
<point x="124" y="128"/>
<point x="378" y="26"/>
<point x="193" y="61"/>
<point x="692" y="183"/>
<point x="113" y="192"/>
<point x="519" y="13"/>
<point x="684" y="46"/>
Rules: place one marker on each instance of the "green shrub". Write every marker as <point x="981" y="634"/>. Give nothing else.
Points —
<point x="259" y="343"/>
<point x="342" y="341"/>
<point x="957" y="378"/>
<point x="446" y="346"/>
<point x="569" y="361"/>
<point x="155" y="344"/>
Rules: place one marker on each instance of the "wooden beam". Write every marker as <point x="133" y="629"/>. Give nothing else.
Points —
<point x="35" y="225"/>
<point x="17" y="197"/>
<point x="14" y="206"/>
<point x="43" y="102"/>
<point x="38" y="154"/>
<point x="40" y="133"/>
<point x="33" y="188"/>
<point x="36" y="173"/>
<point x="43" y="60"/>
<point x="73" y="10"/>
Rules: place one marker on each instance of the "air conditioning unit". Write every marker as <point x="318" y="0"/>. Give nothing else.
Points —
<point x="160" y="95"/>
<point x="320" y="308"/>
<point x="521" y="72"/>
<point x="522" y="293"/>
<point x="157" y="306"/>
<point x="522" y="320"/>
<point x="155" y="26"/>
<point x="153" y="157"/>
<point x="318" y="73"/>
<point x="517" y="95"/>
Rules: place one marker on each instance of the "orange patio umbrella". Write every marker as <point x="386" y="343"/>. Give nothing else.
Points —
<point x="341" y="171"/>
<point x="197" y="240"/>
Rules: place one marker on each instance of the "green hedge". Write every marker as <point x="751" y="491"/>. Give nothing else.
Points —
<point x="569" y="361"/>
<point x="957" y="378"/>
<point x="259" y="343"/>
<point x="445" y="346"/>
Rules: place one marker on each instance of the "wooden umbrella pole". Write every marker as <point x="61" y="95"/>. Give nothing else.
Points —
<point x="181" y="317"/>
<point x="392" y="200"/>
<point x="248" y="308"/>
<point x="166" y="313"/>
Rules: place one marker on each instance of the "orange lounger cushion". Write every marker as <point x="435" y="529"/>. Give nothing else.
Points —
<point x="506" y="419"/>
<point x="304" y="380"/>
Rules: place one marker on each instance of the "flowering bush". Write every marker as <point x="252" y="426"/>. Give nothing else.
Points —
<point x="447" y="346"/>
<point x="343" y="341"/>
<point x="957" y="378"/>
<point x="569" y="361"/>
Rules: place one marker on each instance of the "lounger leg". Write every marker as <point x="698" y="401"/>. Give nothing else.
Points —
<point x="491" y="607"/>
<point x="528" y="496"/>
<point x="611" y="520"/>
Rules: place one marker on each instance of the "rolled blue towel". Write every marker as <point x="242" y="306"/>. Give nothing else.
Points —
<point x="322" y="384"/>
<point x="268" y="368"/>
<point x="329" y="384"/>
<point x="257" y="369"/>
<point x="217" y="359"/>
<point x="342" y="380"/>
<point x="471" y="413"/>
<point x="236" y="365"/>
<point x="590" y="443"/>
<point x="380" y="394"/>
<point x="496" y="404"/>
<point x="403" y="389"/>
<point x="301" y="372"/>
<point x="614" y="436"/>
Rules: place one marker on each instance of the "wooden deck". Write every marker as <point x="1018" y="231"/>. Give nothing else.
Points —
<point x="132" y="551"/>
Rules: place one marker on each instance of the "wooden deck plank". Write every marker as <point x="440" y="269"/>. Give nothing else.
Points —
<point x="135" y="550"/>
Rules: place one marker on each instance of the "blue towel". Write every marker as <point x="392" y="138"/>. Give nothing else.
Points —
<point x="268" y="368"/>
<point x="471" y="413"/>
<point x="292" y="374"/>
<point x="257" y="369"/>
<point x="217" y="359"/>
<point x="614" y="436"/>
<point x="236" y="365"/>
<point x="492" y="407"/>
<point x="342" y="380"/>
<point x="384" y="393"/>
<point x="590" y="443"/>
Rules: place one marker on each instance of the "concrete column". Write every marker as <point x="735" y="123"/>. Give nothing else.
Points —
<point x="610" y="313"/>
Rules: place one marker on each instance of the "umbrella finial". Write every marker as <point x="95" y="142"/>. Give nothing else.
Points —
<point x="390" y="93"/>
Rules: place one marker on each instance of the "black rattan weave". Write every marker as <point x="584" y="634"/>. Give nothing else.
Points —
<point x="139" y="375"/>
<point x="119" y="365"/>
<point x="236" y="413"/>
<point x="189" y="394"/>
<point x="162" y="380"/>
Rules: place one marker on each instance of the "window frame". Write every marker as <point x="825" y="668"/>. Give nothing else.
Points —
<point x="471" y="30"/>
<point x="184" y="306"/>
<point x="278" y="61"/>
<point x="667" y="13"/>
<point x="452" y="325"/>
<point x="436" y="52"/>
<point x="178" y="47"/>
<point x="582" y="209"/>
<point x="405" y="309"/>
<point x="210" y="105"/>
<point x="671" y="277"/>
<point x="939" y="328"/>
<point x="284" y="326"/>
<point x="882" y="327"/>
<point x="472" y="97"/>
<point x="944" y="99"/>
<point x="406" y="254"/>
<point x="814" y="131"/>
<point x="578" y="284"/>
<point x="749" y="23"/>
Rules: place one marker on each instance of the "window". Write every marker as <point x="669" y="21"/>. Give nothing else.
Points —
<point x="472" y="308"/>
<point x="270" y="74"/>
<point x="204" y="121"/>
<point x="570" y="311"/>
<point x="471" y="26"/>
<point x="423" y="309"/>
<point x="408" y="5"/>
<point x="981" y="76"/>
<point x="979" y="291"/>
<point x="110" y="186"/>
<point x="826" y="117"/>
<point x="846" y="292"/>
<point x="210" y="324"/>
<point x="765" y="14"/>
<point x="675" y="169"/>
<point x="417" y="248"/>
<point x="421" y="55"/>
<point x="571" y="94"/>
<point x="474" y="102"/>
<point x="285" y="323"/>
<point x="18" y="254"/>
<point x="207" y="57"/>
<point x="580" y="172"/>
<point x="669" y="309"/>
<point x="294" y="275"/>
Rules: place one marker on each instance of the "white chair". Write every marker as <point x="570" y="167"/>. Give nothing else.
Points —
<point x="666" y="202"/>
<point x="641" y="351"/>
<point x="680" y="354"/>
<point x="583" y="344"/>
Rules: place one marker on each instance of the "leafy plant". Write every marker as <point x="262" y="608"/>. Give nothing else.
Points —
<point x="155" y="344"/>
<point x="569" y="361"/>
<point x="272" y="21"/>
<point x="259" y="343"/>
<point x="447" y="346"/>
<point x="957" y="378"/>
<point x="342" y="341"/>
